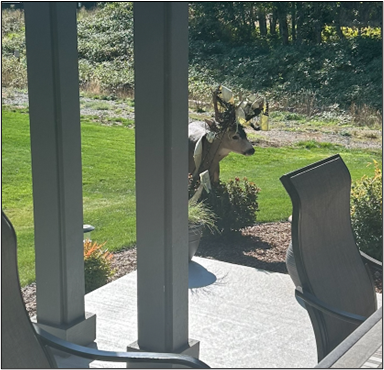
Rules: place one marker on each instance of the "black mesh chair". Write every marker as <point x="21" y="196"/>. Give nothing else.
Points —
<point x="332" y="280"/>
<point x="25" y="345"/>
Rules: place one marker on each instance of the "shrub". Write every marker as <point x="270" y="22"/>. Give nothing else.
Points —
<point x="367" y="213"/>
<point x="12" y="21"/>
<point x="97" y="265"/>
<point x="235" y="204"/>
<point x="106" y="33"/>
<point x="14" y="72"/>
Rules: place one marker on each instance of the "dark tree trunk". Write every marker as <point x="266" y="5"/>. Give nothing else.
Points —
<point x="300" y="21"/>
<point x="318" y="24"/>
<point x="293" y="21"/>
<point x="283" y="24"/>
<point x="262" y="22"/>
<point x="273" y="21"/>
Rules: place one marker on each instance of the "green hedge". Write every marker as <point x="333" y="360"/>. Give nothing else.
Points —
<point x="367" y="213"/>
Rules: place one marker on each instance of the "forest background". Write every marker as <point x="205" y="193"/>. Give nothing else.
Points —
<point x="308" y="56"/>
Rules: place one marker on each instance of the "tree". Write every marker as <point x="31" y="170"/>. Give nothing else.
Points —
<point x="300" y="21"/>
<point x="337" y="19"/>
<point x="282" y="8"/>
<point x="273" y="21"/>
<point x="262" y="21"/>
<point x="293" y="20"/>
<point x="234" y="22"/>
<point x="318" y="22"/>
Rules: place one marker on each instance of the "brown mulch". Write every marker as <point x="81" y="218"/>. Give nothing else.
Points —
<point x="262" y="246"/>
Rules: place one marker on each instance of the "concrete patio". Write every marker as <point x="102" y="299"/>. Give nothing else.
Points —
<point x="242" y="316"/>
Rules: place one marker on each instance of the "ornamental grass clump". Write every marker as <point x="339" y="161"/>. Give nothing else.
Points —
<point x="97" y="265"/>
<point x="200" y="214"/>
<point x="367" y="213"/>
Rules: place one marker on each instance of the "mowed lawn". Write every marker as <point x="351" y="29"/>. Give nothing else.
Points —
<point x="108" y="185"/>
<point x="267" y="165"/>
<point x="108" y="157"/>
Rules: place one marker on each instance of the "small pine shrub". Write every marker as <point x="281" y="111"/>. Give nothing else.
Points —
<point x="367" y="213"/>
<point x="234" y="203"/>
<point x="97" y="265"/>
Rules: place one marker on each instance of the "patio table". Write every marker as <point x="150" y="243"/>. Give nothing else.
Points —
<point x="361" y="349"/>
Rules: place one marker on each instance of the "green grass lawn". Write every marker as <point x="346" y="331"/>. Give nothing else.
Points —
<point x="267" y="165"/>
<point x="108" y="157"/>
<point x="108" y="185"/>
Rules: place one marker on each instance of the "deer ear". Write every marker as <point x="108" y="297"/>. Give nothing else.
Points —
<point x="210" y="123"/>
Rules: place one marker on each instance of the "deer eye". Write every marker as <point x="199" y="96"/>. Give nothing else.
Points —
<point x="235" y="137"/>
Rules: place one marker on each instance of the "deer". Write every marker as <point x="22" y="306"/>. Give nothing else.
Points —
<point x="214" y="146"/>
<point x="212" y="140"/>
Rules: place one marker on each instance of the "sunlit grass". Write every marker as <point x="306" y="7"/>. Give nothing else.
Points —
<point x="108" y="185"/>
<point x="108" y="159"/>
<point x="267" y="165"/>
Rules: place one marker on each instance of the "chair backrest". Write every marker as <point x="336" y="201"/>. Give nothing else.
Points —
<point x="328" y="261"/>
<point x="20" y="347"/>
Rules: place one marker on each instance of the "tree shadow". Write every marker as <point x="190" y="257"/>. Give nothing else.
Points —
<point x="246" y="250"/>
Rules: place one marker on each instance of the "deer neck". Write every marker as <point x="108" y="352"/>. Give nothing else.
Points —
<point x="215" y="152"/>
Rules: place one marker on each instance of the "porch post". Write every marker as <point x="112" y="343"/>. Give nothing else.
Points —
<point x="53" y="84"/>
<point x="161" y="121"/>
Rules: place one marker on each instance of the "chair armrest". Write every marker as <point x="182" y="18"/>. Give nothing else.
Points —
<point x="372" y="262"/>
<point x="127" y="357"/>
<point x="311" y="300"/>
<point x="357" y="347"/>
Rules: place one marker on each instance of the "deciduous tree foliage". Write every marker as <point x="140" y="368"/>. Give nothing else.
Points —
<point x="289" y="22"/>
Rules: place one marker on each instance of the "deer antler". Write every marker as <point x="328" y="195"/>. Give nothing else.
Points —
<point x="228" y="116"/>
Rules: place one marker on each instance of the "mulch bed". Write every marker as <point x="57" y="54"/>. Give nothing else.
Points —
<point x="262" y="246"/>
